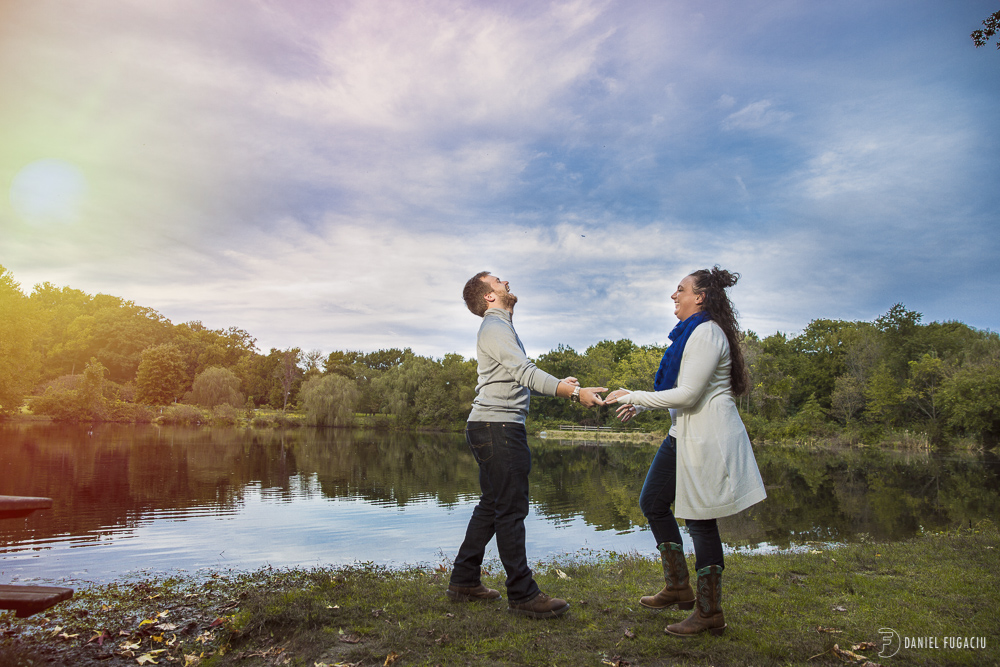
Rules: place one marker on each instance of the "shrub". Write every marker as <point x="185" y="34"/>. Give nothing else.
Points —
<point x="225" y="415"/>
<point x="182" y="414"/>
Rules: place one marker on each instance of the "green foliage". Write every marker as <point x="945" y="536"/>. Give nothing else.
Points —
<point x="425" y="392"/>
<point x="225" y="414"/>
<point x="217" y="386"/>
<point x="884" y="396"/>
<point x="80" y="399"/>
<point x="868" y="376"/>
<point x="971" y="399"/>
<point x="162" y="375"/>
<point x="329" y="400"/>
<point x="179" y="413"/>
<point x="19" y="360"/>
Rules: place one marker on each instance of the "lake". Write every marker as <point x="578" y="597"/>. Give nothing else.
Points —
<point x="133" y="499"/>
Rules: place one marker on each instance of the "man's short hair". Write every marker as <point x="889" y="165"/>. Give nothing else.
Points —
<point x="475" y="292"/>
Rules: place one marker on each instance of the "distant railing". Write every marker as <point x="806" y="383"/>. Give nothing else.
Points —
<point x="569" y="427"/>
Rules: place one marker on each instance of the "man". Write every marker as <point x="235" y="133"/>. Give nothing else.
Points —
<point x="496" y="434"/>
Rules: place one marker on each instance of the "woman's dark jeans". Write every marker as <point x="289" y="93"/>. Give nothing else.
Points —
<point x="657" y="496"/>
<point x="501" y="450"/>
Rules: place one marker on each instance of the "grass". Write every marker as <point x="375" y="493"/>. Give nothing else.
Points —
<point x="782" y="609"/>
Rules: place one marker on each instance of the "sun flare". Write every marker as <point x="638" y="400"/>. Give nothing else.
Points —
<point x="48" y="191"/>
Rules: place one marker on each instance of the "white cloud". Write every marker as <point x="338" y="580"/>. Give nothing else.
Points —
<point x="755" y="116"/>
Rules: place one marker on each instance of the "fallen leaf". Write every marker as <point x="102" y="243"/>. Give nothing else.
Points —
<point x="562" y="575"/>
<point x="99" y="638"/>
<point x="350" y="639"/>
<point x="190" y="660"/>
<point x="832" y="631"/>
<point x="149" y="657"/>
<point x="863" y="646"/>
<point x="859" y="659"/>
<point x="629" y="633"/>
<point x="336" y="606"/>
<point x="128" y="646"/>
<point x="391" y="658"/>
<point x="167" y="626"/>
<point x="815" y="551"/>
<point x="216" y="623"/>
<point x="839" y="608"/>
<point x="69" y="636"/>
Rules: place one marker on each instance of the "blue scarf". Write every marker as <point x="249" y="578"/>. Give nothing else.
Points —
<point x="670" y="365"/>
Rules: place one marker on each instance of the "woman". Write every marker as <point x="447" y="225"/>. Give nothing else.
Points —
<point x="706" y="466"/>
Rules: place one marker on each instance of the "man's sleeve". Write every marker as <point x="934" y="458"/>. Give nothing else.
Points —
<point x="499" y="342"/>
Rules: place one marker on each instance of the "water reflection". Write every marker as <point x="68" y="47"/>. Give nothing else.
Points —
<point x="135" y="497"/>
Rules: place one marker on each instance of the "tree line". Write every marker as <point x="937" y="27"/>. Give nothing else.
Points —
<point x="71" y="355"/>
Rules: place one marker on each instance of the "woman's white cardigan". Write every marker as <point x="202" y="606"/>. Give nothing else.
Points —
<point x="717" y="473"/>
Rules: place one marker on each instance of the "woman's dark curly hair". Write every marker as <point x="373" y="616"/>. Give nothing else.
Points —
<point x="711" y="284"/>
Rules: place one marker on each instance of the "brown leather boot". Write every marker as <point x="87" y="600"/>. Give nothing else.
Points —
<point x="540" y="606"/>
<point x="708" y="613"/>
<point x="467" y="594"/>
<point x="677" y="591"/>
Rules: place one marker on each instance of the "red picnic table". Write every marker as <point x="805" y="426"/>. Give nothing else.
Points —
<point x="28" y="600"/>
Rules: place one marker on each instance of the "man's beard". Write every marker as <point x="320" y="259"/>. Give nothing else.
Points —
<point x="507" y="300"/>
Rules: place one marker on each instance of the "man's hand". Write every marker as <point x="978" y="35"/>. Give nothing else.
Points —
<point x="591" y="396"/>
<point x="615" y="395"/>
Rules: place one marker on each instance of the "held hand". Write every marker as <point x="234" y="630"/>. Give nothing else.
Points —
<point x="615" y="395"/>
<point x="591" y="396"/>
<point x="626" y="412"/>
<point x="571" y="381"/>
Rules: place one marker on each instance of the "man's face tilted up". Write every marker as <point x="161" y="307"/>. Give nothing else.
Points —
<point x="501" y="295"/>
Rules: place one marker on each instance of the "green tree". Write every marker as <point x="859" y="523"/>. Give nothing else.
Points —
<point x="971" y="402"/>
<point x="899" y="327"/>
<point x="848" y="398"/>
<point x="19" y="360"/>
<point x="884" y="396"/>
<point x="288" y="374"/>
<point x="217" y="386"/>
<point x="162" y="375"/>
<point x="771" y="378"/>
<point x="329" y="400"/>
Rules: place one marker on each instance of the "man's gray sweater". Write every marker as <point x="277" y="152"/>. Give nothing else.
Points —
<point x="507" y="378"/>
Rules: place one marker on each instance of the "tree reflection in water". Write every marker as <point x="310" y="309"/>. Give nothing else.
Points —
<point x="309" y="496"/>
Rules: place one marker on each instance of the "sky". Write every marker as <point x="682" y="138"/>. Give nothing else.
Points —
<point x="327" y="175"/>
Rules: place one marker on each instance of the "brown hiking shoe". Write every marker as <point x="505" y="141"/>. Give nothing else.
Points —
<point x="540" y="606"/>
<point x="467" y="594"/>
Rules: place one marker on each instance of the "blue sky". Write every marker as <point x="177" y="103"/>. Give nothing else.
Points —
<point x="328" y="175"/>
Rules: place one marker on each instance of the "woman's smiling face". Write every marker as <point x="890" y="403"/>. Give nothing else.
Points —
<point x="686" y="302"/>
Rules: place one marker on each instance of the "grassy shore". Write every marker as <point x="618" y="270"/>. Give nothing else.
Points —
<point x="823" y="606"/>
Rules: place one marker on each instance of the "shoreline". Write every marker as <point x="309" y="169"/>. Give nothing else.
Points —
<point x="791" y="608"/>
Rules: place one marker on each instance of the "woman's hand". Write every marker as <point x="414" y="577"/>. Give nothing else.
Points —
<point x="615" y="395"/>
<point x="626" y="412"/>
<point x="571" y="381"/>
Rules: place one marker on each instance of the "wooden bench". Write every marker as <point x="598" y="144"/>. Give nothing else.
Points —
<point x="28" y="600"/>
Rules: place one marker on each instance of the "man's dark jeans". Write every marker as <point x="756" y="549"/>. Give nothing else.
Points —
<point x="501" y="450"/>
<point x="657" y="496"/>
